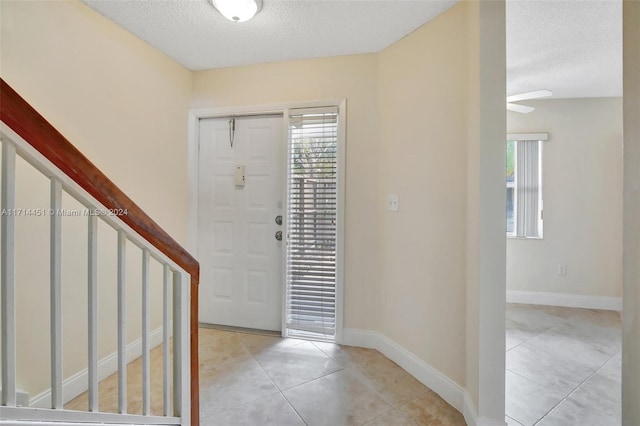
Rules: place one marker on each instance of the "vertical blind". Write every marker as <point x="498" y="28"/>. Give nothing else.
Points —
<point x="528" y="188"/>
<point x="311" y="218"/>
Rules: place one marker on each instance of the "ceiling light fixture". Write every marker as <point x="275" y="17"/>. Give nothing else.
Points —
<point x="237" y="10"/>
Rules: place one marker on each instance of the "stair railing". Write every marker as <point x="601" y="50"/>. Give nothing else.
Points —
<point x="25" y="133"/>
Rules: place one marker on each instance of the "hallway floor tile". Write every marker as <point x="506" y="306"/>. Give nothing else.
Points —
<point x="563" y="366"/>
<point x="260" y="380"/>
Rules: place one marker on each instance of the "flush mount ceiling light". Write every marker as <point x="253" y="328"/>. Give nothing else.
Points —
<point x="237" y="10"/>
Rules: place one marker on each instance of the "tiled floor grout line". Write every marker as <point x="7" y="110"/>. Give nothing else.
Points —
<point x="317" y="378"/>
<point x="515" y="420"/>
<point x="575" y="389"/>
<point x="265" y="372"/>
<point x="530" y="338"/>
<point x="524" y="377"/>
<point x="281" y="391"/>
<point x="568" y="324"/>
<point x="260" y="365"/>
<point x="244" y="354"/>
<point x="308" y="381"/>
<point x="370" y="387"/>
<point x="540" y="333"/>
<point x="294" y="408"/>
<point x="343" y="361"/>
<point x="564" y="322"/>
<point x="343" y="368"/>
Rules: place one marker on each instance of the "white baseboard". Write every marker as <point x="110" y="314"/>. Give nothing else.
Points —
<point x="484" y="421"/>
<point x="469" y="410"/>
<point x="448" y="390"/>
<point x="361" y="338"/>
<point x="565" y="299"/>
<point x="471" y="415"/>
<point x="78" y="383"/>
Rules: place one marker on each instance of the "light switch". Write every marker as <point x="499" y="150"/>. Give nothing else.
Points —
<point x="239" y="179"/>
<point x="393" y="204"/>
<point x="562" y="269"/>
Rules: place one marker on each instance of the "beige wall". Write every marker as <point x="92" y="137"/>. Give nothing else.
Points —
<point x="103" y="88"/>
<point x="582" y="192"/>
<point x="423" y="157"/>
<point x="472" y="267"/>
<point x="351" y="77"/>
<point x="125" y="106"/>
<point x="408" y="133"/>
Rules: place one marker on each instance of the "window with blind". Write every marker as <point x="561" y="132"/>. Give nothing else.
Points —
<point x="312" y="223"/>
<point x="524" y="188"/>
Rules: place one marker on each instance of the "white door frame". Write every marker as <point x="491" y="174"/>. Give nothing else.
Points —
<point x="192" y="169"/>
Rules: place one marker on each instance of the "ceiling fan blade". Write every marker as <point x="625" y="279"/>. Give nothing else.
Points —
<point x="529" y="95"/>
<point x="520" y="108"/>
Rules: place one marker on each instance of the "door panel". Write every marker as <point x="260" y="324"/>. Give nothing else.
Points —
<point x="240" y="258"/>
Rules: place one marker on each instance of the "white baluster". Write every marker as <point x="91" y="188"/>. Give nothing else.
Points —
<point x="146" y="318"/>
<point x="7" y="279"/>
<point x="184" y="349"/>
<point x="122" y="324"/>
<point x="55" y="265"/>
<point x="177" y="344"/>
<point x="93" y="312"/>
<point x="166" y="283"/>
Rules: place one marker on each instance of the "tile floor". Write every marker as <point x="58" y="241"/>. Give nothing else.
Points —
<point x="259" y="380"/>
<point x="563" y="366"/>
<point x="249" y="379"/>
<point x="108" y="389"/>
<point x="563" y="369"/>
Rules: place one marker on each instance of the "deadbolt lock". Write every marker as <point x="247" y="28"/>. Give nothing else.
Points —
<point x="279" y="220"/>
<point x="279" y="235"/>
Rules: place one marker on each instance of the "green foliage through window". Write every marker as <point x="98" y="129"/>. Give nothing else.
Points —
<point x="511" y="159"/>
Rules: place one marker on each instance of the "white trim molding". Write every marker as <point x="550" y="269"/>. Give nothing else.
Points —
<point x="447" y="389"/>
<point x="565" y="299"/>
<point x="483" y="421"/>
<point x="528" y="136"/>
<point x="78" y="383"/>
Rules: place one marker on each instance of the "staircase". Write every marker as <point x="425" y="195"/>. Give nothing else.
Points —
<point x="26" y="135"/>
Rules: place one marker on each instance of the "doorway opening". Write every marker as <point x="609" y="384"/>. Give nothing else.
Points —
<point x="564" y="286"/>
<point x="270" y="220"/>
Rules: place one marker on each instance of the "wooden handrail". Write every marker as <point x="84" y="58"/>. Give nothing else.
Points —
<point x="23" y="119"/>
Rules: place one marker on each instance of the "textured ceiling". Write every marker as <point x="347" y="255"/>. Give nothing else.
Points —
<point x="572" y="47"/>
<point x="196" y="35"/>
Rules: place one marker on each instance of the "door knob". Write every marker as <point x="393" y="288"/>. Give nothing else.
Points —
<point x="279" y="235"/>
<point x="279" y="220"/>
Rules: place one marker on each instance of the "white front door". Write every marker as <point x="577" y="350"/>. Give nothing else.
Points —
<point x="240" y="258"/>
